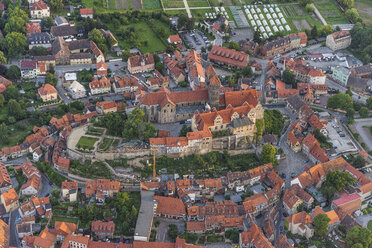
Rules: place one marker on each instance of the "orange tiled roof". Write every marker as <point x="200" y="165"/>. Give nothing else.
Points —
<point x="170" y="206"/>
<point x="300" y="218"/>
<point x="4" y="234"/>
<point x="33" y="27"/>
<point x="228" y="56"/>
<point x="100" y="83"/>
<point x="195" y="226"/>
<point x="5" y="180"/>
<point x="103" y="227"/>
<point x="238" y="98"/>
<point x="47" y="89"/>
<point x="253" y="201"/>
<point x="65" y="228"/>
<point x="10" y="197"/>
<point x="255" y="237"/>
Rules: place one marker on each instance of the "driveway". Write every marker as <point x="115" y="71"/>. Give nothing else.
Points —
<point x="162" y="230"/>
<point x="364" y="133"/>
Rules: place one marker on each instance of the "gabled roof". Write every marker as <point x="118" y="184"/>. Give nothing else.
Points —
<point x="86" y="11"/>
<point x="170" y="206"/>
<point x="47" y="89"/>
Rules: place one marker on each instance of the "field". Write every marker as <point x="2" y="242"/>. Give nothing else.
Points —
<point x="86" y="142"/>
<point x="173" y="3"/>
<point x="100" y="6"/>
<point x="330" y="12"/>
<point x="152" y="4"/>
<point x="198" y="3"/>
<point x="145" y="34"/>
<point x="298" y="19"/>
<point x="64" y="219"/>
<point x="364" y="8"/>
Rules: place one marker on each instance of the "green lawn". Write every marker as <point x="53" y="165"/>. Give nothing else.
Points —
<point x="86" y="142"/>
<point x="145" y="33"/>
<point x="152" y="4"/>
<point x="100" y="6"/>
<point x="198" y="3"/>
<point x="176" y="12"/>
<point x="198" y="14"/>
<point x="330" y="12"/>
<point x="106" y="144"/>
<point x="364" y="8"/>
<point x="173" y="4"/>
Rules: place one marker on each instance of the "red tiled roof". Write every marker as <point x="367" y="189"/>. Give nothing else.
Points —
<point x="170" y="206"/>
<point x="228" y="56"/>
<point x="86" y="11"/>
<point x="346" y="198"/>
<point x="175" y="38"/>
<point x="33" y="27"/>
<point x="47" y="89"/>
<point x="238" y="98"/>
<point x="103" y="227"/>
<point x="40" y="5"/>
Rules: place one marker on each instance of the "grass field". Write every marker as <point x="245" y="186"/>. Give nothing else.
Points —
<point x="364" y="8"/>
<point x="106" y="144"/>
<point x="198" y="14"/>
<point x="330" y="12"/>
<point x="173" y="3"/>
<point x="100" y="6"/>
<point x="86" y="142"/>
<point x="145" y="33"/>
<point x="198" y="3"/>
<point x="152" y="4"/>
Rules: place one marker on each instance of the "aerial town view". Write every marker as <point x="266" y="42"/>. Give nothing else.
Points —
<point x="186" y="123"/>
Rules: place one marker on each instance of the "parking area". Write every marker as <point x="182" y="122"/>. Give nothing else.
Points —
<point x="162" y="230"/>
<point x="341" y="142"/>
<point x="173" y="128"/>
<point x="196" y="40"/>
<point x="242" y="34"/>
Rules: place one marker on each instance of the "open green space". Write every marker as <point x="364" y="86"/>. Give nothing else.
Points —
<point x="209" y="165"/>
<point x="152" y="4"/>
<point x="298" y="19"/>
<point x="86" y="142"/>
<point x="173" y="4"/>
<point x="364" y="8"/>
<point x="106" y="144"/>
<point x="198" y="3"/>
<point x="330" y="12"/>
<point x="90" y="170"/>
<point x="147" y="39"/>
<point x="370" y="225"/>
<point x="100" y="6"/>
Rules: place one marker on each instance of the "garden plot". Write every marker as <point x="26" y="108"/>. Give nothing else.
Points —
<point x="198" y="3"/>
<point x="136" y="4"/>
<point x="239" y="17"/>
<point x="173" y="3"/>
<point x="330" y="12"/>
<point x="121" y="4"/>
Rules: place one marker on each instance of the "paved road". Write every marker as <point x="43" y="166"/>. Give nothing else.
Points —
<point x="14" y="241"/>
<point x="364" y="133"/>
<point x="364" y="219"/>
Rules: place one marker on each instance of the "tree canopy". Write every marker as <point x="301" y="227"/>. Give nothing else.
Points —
<point x="339" y="180"/>
<point x="14" y="43"/>
<point x="359" y="237"/>
<point x="289" y="78"/>
<point x="135" y="127"/>
<point x="341" y="101"/>
<point x="100" y="41"/>
<point x="268" y="154"/>
<point x="321" y="224"/>
<point x="274" y="121"/>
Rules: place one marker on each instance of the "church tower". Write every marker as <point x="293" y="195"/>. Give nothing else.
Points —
<point x="214" y="92"/>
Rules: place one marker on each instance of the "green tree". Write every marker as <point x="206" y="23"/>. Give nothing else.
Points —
<point x="358" y="162"/>
<point x="289" y="78"/>
<point x="13" y="72"/>
<point x="347" y="3"/>
<point x="314" y="32"/>
<point x="15" y="24"/>
<point x="2" y="100"/>
<point x="98" y="38"/>
<point x="259" y="126"/>
<point x="257" y="36"/>
<point x="172" y="231"/>
<point x="234" y="45"/>
<point x="56" y="5"/>
<point x="359" y="235"/>
<point x="2" y="58"/>
<point x="135" y="127"/>
<point x="38" y="51"/>
<point x="15" y="110"/>
<point x="125" y="56"/>
<point x="14" y="43"/>
<point x="247" y="72"/>
<point x="51" y="79"/>
<point x="341" y="101"/>
<point x="363" y="112"/>
<point x="352" y="14"/>
<point x="309" y="8"/>
<point x="321" y="224"/>
<point x="369" y="102"/>
<point x="11" y="92"/>
<point x="268" y="154"/>
<point x="350" y="113"/>
<point x="185" y="22"/>
<point x="184" y="130"/>
<point x="4" y="136"/>
<point x="340" y="180"/>
<point x="114" y="122"/>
